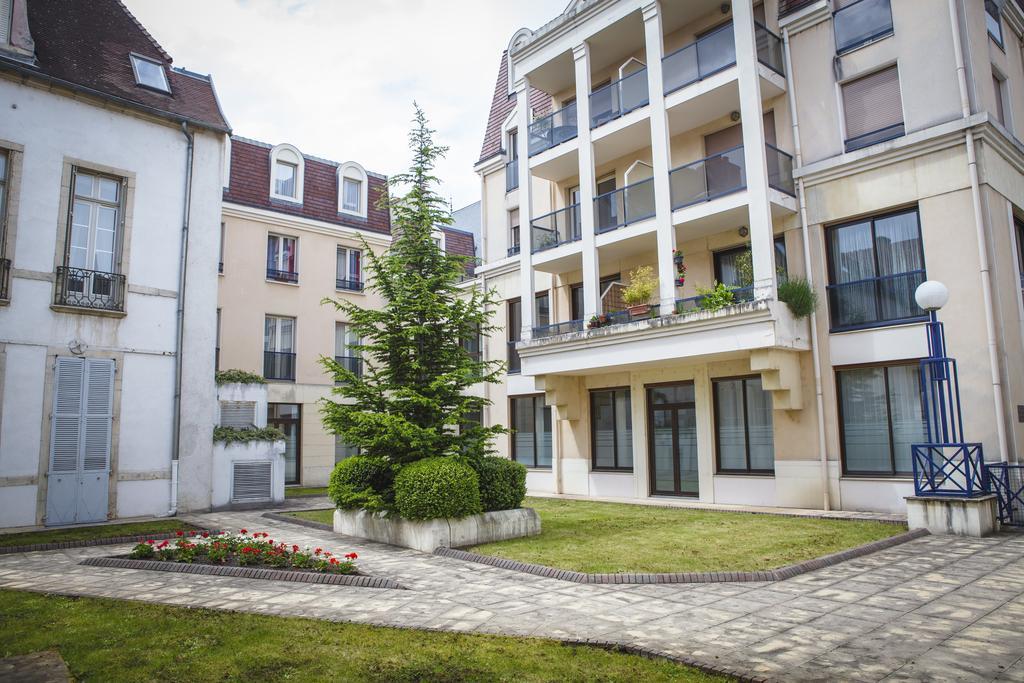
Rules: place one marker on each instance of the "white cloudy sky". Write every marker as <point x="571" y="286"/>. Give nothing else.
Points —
<point x="337" y="78"/>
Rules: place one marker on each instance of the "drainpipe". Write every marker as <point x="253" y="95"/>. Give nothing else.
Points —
<point x="979" y="228"/>
<point x="180" y="320"/>
<point x="826" y="502"/>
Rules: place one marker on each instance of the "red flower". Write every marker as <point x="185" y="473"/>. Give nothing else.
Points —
<point x="351" y="556"/>
<point x="334" y="561"/>
<point x="191" y="533"/>
<point x="206" y="534"/>
<point x="151" y="541"/>
<point x="295" y="548"/>
<point x="328" y="554"/>
<point x="245" y="531"/>
<point x="162" y="545"/>
<point x="318" y="551"/>
<point x="179" y="533"/>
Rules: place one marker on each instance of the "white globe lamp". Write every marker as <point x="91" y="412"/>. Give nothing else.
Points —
<point x="931" y="295"/>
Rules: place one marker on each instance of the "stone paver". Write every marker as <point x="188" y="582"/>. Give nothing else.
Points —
<point x="936" y="608"/>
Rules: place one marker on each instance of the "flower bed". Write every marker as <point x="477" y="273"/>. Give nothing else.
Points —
<point x="243" y="549"/>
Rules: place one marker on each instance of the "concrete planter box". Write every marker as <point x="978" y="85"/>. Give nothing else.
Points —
<point x="437" y="533"/>
<point x="946" y="515"/>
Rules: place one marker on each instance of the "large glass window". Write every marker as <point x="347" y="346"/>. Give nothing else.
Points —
<point x="744" y="438"/>
<point x="875" y="265"/>
<point x="611" y="433"/>
<point x="542" y="310"/>
<point x="349" y="271"/>
<point x="857" y="22"/>
<point x="95" y="222"/>
<point x="993" y="22"/>
<point x="279" y="348"/>
<point x="285" y="175"/>
<point x="351" y="194"/>
<point x="880" y="417"/>
<point x="734" y="268"/>
<point x="531" y="431"/>
<point x="281" y="257"/>
<point x="288" y="418"/>
<point x="514" y="331"/>
<point x="873" y="109"/>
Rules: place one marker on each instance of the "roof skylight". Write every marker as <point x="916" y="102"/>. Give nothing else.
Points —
<point x="150" y="73"/>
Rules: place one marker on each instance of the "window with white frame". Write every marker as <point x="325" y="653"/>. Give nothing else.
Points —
<point x="5" y="21"/>
<point x="149" y="73"/>
<point x="281" y="258"/>
<point x="873" y="109"/>
<point x="279" y="348"/>
<point x="352" y="189"/>
<point x="349" y="269"/>
<point x="346" y="348"/>
<point x="287" y="168"/>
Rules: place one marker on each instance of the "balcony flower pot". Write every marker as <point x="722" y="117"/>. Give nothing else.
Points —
<point x="680" y="281"/>
<point x="677" y="258"/>
<point x="639" y="311"/>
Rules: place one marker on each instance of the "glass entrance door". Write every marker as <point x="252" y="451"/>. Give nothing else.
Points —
<point x="672" y="439"/>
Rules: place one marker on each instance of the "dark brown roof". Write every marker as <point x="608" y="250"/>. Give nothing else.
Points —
<point x="461" y="243"/>
<point x="250" y="185"/>
<point x="502" y="104"/>
<point x="86" y="46"/>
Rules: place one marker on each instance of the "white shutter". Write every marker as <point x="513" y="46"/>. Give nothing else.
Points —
<point x="872" y="103"/>
<point x="67" y="414"/>
<point x="5" y="21"/>
<point x="251" y="481"/>
<point x="98" y="414"/>
<point x="238" y="414"/>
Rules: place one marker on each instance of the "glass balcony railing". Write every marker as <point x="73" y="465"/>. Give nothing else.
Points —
<point x="630" y="204"/>
<point x="553" y="129"/>
<point x="694" y="62"/>
<point x="708" y="178"/>
<point x="769" y="49"/>
<point x="619" y="98"/>
<point x="861" y="22"/>
<point x="555" y="329"/>
<point x="511" y="175"/>
<point x="780" y="170"/>
<point x="557" y="227"/>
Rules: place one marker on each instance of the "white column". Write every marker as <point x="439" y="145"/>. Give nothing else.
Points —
<point x="660" y="156"/>
<point x="591" y="265"/>
<point x="522" y="87"/>
<point x="754" y="155"/>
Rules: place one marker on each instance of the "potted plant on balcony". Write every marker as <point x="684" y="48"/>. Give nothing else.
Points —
<point x="637" y="295"/>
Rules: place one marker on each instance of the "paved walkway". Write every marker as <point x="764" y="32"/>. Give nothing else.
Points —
<point x="937" y="608"/>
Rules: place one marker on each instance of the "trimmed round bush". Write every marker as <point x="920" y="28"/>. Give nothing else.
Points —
<point x="361" y="482"/>
<point x="434" y="488"/>
<point x="502" y="483"/>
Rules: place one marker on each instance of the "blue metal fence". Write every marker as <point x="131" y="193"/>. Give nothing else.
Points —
<point x="1006" y="480"/>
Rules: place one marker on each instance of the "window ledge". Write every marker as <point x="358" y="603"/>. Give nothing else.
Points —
<point x="281" y="282"/>
<point x="80" y="310"/>
<point x="352" y="214"/>
<point x="612" y="470"/>
<point x="899" y="478"/>
<point x="870" y="41"/>
<point x="752" y="475"/>
<point x="283" y="198"/>
<point x="359" y="292"/>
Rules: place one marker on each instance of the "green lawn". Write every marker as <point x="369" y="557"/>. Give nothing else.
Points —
<point x="610" y="537"/>
<point x="88" y="533"/>
<point x="322" y="516"/>
<point x="110" y="640"/>
<point x="300" y="491"/>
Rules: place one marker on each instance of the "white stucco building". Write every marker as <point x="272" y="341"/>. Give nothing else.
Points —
<point x="111" y="203"/>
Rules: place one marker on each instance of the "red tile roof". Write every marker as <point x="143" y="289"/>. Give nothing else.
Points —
<point x="86" y="46"/>
<point x="250" y="185"/>
<point x="502" y="105"/>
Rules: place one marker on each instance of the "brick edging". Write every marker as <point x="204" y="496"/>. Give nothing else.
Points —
<point x="770" y="575"/>
<point x="288" y="519"/>
<point x="112" y="540"/>
<point x="357" y="580"/>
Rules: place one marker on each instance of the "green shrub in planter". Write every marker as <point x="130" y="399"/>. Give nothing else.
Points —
<point x="502" y="483"/>
<point x="799" y="296"/>
<point x="437" y="487"/>
<point x="362" y="482"/>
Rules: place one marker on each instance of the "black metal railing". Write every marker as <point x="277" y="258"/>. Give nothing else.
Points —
<point x="557" y="328"/>
<point x="282" y="275"/>
<point x="630" y="204"/>
<point x="769" y="49"/>
<point x="5" y="279"/>
<point x="91" y="289"/>
<point x="353" y="364"/>
<point x="618" y="98"/>
<point x="702" y="58"/>
<point x="860" y="22"/>
<point x="513" y="250"/>
<point x="874" y="137"/>
<point x="350" y="285"/>
<point x="220" y="266"/>
<point x="511" y="175"/>
<point x="514" y="365"/>
<point x="691" y="304"/>
<point x="875" y="301"/>
<point x="554" y="129"/>
<point x="555" y="228"/>
<point x="708" y="178"/>
<point x="279" y="365"/>
<point x="780" y="170"/>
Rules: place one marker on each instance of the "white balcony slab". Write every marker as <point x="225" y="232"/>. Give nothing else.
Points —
<point x="557" y="163"/>
<point x="560" y="259"/>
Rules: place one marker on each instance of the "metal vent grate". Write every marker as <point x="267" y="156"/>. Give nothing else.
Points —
<point x="238" y="414"/>
<point x="251" y="481"/>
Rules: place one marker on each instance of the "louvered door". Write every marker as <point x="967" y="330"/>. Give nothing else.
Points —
<point x="77" y="485"/>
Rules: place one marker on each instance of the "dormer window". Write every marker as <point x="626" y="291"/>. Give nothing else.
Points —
<point x="352" y="189"/>
<point x="150" y="73"/>
<point x="286" y="171"/>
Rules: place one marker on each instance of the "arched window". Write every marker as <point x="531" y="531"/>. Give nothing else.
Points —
<point x="287" y="169"/>
<point x="352" y="189"/>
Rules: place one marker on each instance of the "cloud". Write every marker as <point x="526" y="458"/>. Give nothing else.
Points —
<point x="337" y="78"/>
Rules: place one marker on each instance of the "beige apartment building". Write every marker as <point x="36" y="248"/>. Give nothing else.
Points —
<point x="863" y="145"/>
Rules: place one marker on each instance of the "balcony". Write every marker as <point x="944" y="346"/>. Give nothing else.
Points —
<point x="279" y="365"/>
<point x="513" y="250"/>
<point x="627" y="205"/>
<point x="283" y="275"/>
<point x="553" y="130"/>
<point x="353" y="364"/>
<point x="511" y="175"/>
<point x="556" y="228"/>
<point x="557" y="328"/>
<point x="769" y="49"/>
<point x="347" y="285"/>
<point x="708" y="178"/>
<point x="619" y="98"/>
<point x="5" y="279"/>
<point x="694" y="62"/>
<point x="780" y="170"/>
<point x="861" y="22"/>
<point x="89" y="289"/>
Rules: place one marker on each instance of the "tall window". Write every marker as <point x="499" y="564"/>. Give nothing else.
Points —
<point x="993" y="22"/>
<point x="288" y="418"/>
<point x="216" y="348"/>
<point x="285" y="175"/>
<point x="873" y="109"/>
<point x="531" y="431"/>
<point x="220" y="252"/>
<point x="542" y="310"/>
<point x="875" y="265"/>
<point x="999" y="88"/>
<point x="95" y="222"/>
<point x="5" y="264"/>
<point x="286" y="171"/>
<point x="513" y="232"/>
<point x="349" y="269"/>
<point x="513" y="328"/>
<point x="512" y="163"/>
<point x="281" y="259"/>
<point x="346" y="352"/>
<point x="734" y="268"/>
<point x="880" y="417"/>
<point x="611" y="429"/>
<point x="352" y="189"/>
<point x="744" y="438"/>
<point x="1018" y="224"/>
<point x="350" y="193"/>
<point x="279" y="348"/>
